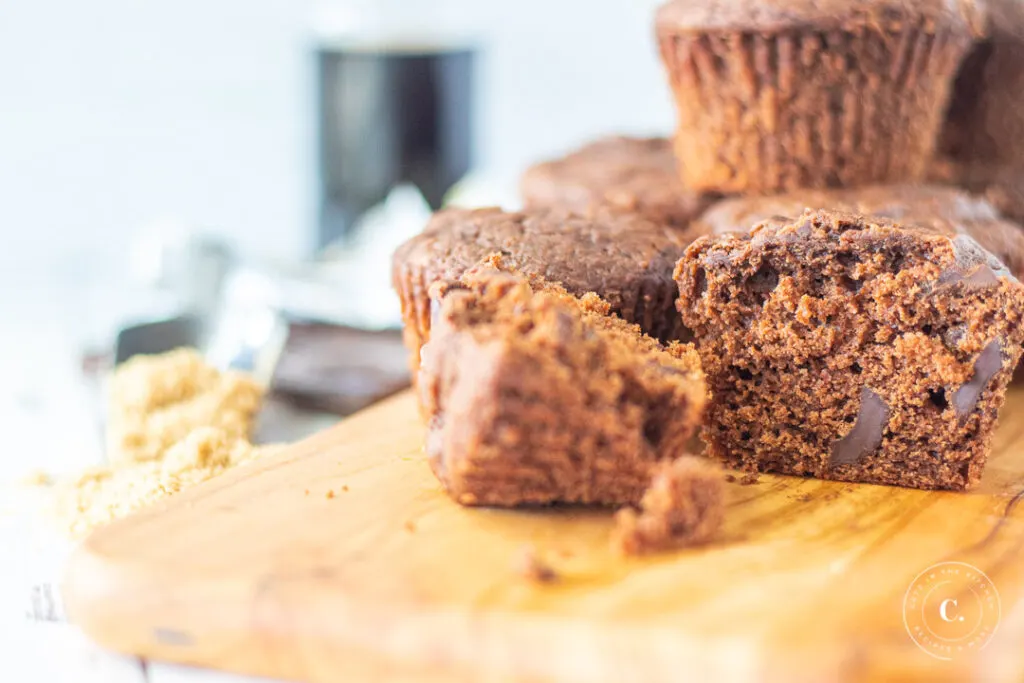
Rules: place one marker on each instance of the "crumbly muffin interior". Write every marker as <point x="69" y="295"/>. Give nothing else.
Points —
<point x="851" y="349"/>
<point x="536" y="396"/>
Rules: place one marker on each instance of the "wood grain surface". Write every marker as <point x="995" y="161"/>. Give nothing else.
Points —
<point x="341" y="559"/>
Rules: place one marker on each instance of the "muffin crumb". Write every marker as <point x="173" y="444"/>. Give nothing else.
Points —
<point x="531" y="567"/>
<point x="684" y="506"/>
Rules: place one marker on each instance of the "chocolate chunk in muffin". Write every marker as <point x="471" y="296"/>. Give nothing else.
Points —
<point x="774" y="95"/>
<point x="534" y="396"/>
<point x="849" y="348"/>
<point x="624" y="174"/>
<point x="941" y="209"/>
<point x="625" y="259"/>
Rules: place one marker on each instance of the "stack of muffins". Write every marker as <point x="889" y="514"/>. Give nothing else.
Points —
<point x="853" y="321"/>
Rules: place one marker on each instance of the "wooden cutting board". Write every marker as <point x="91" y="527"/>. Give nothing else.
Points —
<point x="342" y="560"/>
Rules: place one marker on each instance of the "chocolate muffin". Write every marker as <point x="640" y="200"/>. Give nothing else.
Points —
<point x="775" y="95"/>
<point x="1001" y="185"/>
<point x="625" y="259"/>
<point x="985" y="122"/>
<point x="1004" y="189"/>
<point x="630" y="175"/>
<point x="853" y="349"/>
<point x="944" y="210"/>
<point x="534" y="396"/>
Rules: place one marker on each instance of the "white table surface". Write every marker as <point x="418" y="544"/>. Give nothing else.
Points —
<point x="40" y="387"/>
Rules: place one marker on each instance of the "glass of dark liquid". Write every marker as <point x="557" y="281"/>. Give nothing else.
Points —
<point x="390" y="113"/>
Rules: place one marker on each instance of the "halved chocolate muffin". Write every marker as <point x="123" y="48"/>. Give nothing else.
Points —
<point x="849" y="348"/>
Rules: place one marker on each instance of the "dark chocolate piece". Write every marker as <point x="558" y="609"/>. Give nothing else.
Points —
<point x="975" y="268"/>
<point x="989" y="362"/>
<point x="866" y="435"/>
<point x="981" y="277"/>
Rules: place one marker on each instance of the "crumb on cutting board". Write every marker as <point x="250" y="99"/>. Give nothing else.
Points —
<point x="175" y="422"/>
<point x="684" y="506"/>
<point x="529" y="565"/>
<point x="36" y="478"/>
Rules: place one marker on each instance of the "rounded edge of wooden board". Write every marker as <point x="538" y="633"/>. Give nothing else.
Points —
<point x="111" y="597"/>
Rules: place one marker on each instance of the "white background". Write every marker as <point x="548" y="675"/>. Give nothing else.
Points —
<point x="115" y="113"/>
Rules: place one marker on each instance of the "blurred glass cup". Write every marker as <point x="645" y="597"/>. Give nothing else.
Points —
<point x="395" y="100"/>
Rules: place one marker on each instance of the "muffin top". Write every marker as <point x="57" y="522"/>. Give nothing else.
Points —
<point x="1005" y="190"/>
<point x="1002" y="186"/>
<point x="849" y="249"/>
<point x="625" y="174"/>
<point x="601" y="252"/>
<point x="760" y="15"/>
<point x="942" y="210"/>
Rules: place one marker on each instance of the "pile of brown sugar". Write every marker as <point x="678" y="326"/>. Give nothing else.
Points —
<point x="174" y="422"/>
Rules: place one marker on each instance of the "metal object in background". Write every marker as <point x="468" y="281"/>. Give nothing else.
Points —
<point x="248" y="330"/>
<point x="322" y="336"/>
<point x="151" y="338"/>
<point x="193" y="268"/>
